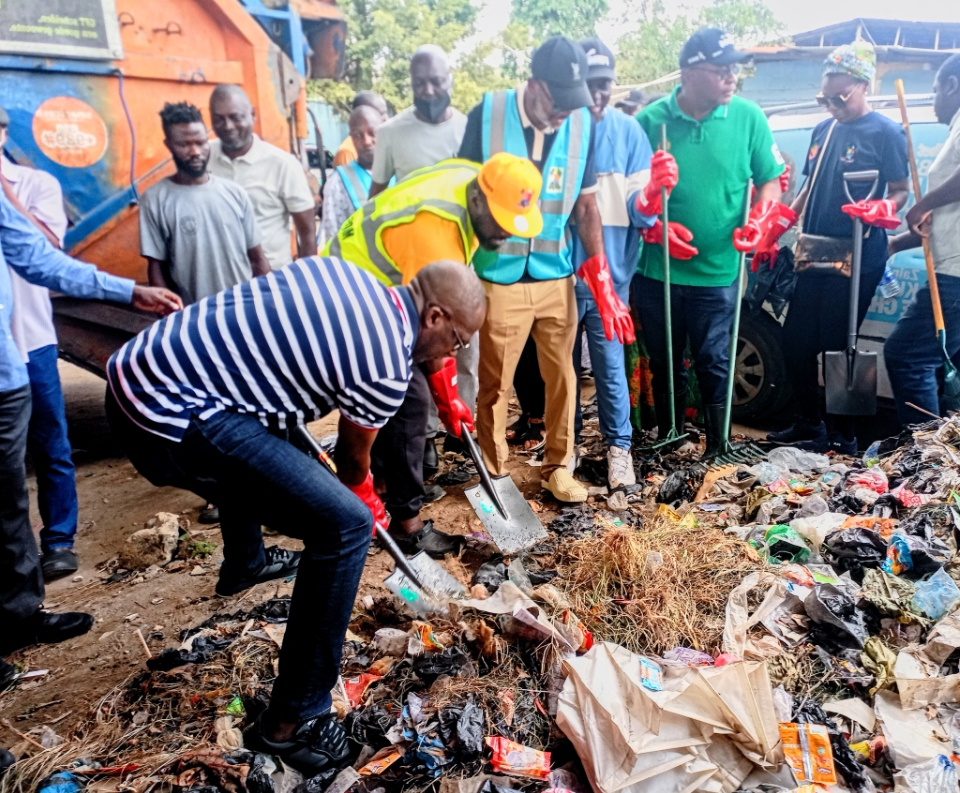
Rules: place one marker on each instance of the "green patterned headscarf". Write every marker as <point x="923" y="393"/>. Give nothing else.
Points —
<point x="859" y="60"/>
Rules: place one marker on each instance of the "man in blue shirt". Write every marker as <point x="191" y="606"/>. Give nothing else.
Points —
<point x="622" y="161"/>
<point x="31" y="256"/>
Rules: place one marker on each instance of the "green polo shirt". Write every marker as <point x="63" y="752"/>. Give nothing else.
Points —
<point x="716" y="157"/>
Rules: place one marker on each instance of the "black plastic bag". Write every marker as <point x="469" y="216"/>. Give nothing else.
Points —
<point x="204" y="648"/>
<point x="774" y="285"/>
<point x="461" y="729"/>
<point x="572" y="521"/>
<point x="677" y="487"/>
<point x="489" y="786"/>
<point x="453" y="661"/>
<point x="855" y="549"/>
<point x="318" y="783"/>
<point x="809" y="712"/>
<point x="928" y="555"/>
<point x="491" y="574"/>
<point x="368" y="726"/>
<point x="837" y="623"/>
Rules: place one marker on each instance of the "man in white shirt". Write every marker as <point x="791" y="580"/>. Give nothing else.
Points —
<point x="912" y="352"/>
<point x="273" y="178"/>
<point x="425" y="133"/>
<point x="40" y="196"/>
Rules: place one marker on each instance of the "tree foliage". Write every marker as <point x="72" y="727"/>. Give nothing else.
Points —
<point x="383" y="35"/>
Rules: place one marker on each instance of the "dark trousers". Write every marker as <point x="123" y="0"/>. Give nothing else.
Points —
<point x="49" y="448"/>
<point x="912" y="352"/>
<point x="817" y="322"/>
<point x="702" y="314"/>
<point x="21" y="581"/>
<point x="397" y="454"/>
<point x="232" y="460"/>
<point x="528" y="382"/>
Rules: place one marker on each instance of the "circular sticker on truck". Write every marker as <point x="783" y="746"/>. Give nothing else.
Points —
<point x="70" y="132"/>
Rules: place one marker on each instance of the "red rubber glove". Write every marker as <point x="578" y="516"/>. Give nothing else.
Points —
<point x="617" y="321"/>
<point x="678" y="235"/>
<point x="453" y="410"/>
<point x="663" y="173"/>
<point x="769" y="246"/>
<point x="880" y="212"/>
<point x="785" y="179"/>
<point x="368" y="496"/>
<point x="763" y="216"/>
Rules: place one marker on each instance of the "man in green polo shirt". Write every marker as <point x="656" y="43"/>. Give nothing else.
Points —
<point x="720" y="142"/>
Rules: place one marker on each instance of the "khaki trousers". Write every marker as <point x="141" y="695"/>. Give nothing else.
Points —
<point x="547" y="310"/>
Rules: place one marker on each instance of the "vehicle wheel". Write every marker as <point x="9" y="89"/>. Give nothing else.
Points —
<point x="761" y="389"/>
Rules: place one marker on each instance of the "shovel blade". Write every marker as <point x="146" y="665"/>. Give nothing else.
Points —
<point x="438" y="586"/>
<point x="851" y="383"/>
<point x="520" y="529"/>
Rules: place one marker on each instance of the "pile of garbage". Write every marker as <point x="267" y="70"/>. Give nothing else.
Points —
<point x="789" y="625"/>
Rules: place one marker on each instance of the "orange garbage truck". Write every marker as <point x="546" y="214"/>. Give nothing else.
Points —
<point x="83" y="82"/>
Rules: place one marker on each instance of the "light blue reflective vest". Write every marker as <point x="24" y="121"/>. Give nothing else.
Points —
<point x="546" y="256"/>
<point x="357" y="182"/>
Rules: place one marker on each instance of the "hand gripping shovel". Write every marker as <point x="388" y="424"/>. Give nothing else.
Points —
<point x="673" y="439"/>
<point x="739" y="452"/>
<point x="504" y="512"/>
<point x="951" y="382"/>
<point x="850" y="375"/>
<point x="419" y="581"/>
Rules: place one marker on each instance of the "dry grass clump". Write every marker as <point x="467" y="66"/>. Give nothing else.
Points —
<point x="623" y="595"/>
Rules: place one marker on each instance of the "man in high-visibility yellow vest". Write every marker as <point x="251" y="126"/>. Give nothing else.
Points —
<point x="442" y="213"/>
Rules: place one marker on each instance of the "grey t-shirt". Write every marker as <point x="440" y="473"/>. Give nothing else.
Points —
<point x="202" y="231"/>
<point x="406" y="143"/>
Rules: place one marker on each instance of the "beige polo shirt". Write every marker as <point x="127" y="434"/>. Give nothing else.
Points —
<point x="277" y="185"/>
<point x="945" y="226"/>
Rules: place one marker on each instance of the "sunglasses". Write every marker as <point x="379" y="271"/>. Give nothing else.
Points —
<point x="723" y="72"/>
<point x="839" y="100"/>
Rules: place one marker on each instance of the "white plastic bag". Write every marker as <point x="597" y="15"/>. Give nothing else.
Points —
<point x="936" y="775"/>
<point x="788" y="458"/>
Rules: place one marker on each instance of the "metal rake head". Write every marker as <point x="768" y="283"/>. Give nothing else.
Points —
<point x="674" y="440"/>
<point x="737" y="452"/>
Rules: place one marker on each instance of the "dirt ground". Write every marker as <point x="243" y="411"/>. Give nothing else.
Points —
<point x="116" y="501"/>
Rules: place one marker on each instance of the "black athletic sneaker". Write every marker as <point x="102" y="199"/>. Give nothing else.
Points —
<point x="280" y="563"/>
<point x="802" y="430"/>
<point x="316" y="746"/>
<point x="832" y="442"/>
<point x="45" y="627"/>
<point x="436" y="543"/>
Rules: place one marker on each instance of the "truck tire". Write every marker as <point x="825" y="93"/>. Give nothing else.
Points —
<point x="761" y="388"/>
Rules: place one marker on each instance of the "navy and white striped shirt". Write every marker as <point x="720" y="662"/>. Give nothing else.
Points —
<point x="287" y="347"/>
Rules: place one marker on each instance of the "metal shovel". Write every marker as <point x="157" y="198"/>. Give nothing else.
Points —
<point x="419" y="581"/>
<point x="850" y="375"/>
<point x="504" y="512"/>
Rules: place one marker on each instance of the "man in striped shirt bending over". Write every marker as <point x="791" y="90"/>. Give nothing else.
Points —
<point x="204" y="400"/>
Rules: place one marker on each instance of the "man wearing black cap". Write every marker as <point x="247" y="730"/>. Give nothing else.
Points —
<point x="636" y="101"/>
<point x="628" y="198"/>
<point x="530" y="283"/>
<point x="720" y="142"/>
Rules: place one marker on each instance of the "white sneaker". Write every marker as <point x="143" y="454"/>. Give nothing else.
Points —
<point x="620" y="467"/>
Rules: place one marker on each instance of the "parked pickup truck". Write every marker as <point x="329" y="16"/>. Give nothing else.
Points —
<point x="762" y="389"/>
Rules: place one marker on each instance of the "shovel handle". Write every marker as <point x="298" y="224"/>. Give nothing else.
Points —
<point x="917" y="194"/>
<point x="485" y="479"/>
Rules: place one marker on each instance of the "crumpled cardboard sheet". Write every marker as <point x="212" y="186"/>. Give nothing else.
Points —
<point x="918" y="681"/>
<point x="705" y="731"/>
<point x="943" y="639"/>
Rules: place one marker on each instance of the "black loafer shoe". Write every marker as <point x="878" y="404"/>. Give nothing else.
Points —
<point x="6" y="760"/>
<point x="431" y="460"/>
<point x="7" y="673"/>
<point x="45" y="627"/>
<point x="58" y="562"/>
<point x="318" y="745"/>
<point x="436" y="543"/>
<point x="280" y="563"/>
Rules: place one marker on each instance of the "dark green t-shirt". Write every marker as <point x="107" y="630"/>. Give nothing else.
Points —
<point x="716" y="157"/>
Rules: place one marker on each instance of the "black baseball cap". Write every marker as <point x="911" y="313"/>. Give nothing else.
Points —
<point x="710" y="45"/>
<point x="562" y="64"/>
<point x="600" y="60"/>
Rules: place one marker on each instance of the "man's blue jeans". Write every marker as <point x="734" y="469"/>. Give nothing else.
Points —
<point x="232" y="460"/>
<point x="702" y="313"/>
<point x="912" y="352"/>
<point x="49" y="448"/>
<point x="609" y="370"/>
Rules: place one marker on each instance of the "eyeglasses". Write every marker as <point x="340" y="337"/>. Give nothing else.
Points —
<point x="840" y="100"/>
<point x="461" y="344"/>
<point x="723" y="72"/>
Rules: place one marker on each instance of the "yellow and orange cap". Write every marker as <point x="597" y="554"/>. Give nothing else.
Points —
<point x="512" y="187"/>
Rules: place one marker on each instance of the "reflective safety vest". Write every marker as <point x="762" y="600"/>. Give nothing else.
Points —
<point x="440" y="189"/>
<point x="548" y="255"/>
<point x="357" y="181"/>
